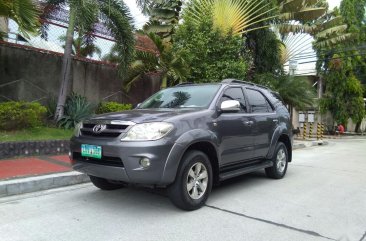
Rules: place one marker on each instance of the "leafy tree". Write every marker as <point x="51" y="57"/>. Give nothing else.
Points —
<point x="211" y="55"/>
<point x="265" y="48"/>
<point x="82" y="15"/>
<point x="341" y="63"/>
<point x="24" y="12"/>
<point x="343" y="96"/>
<point x="168" y="64"/>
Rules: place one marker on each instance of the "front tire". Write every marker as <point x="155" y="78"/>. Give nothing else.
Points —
<point x="105" y="184"/>
<point x="193" y="182"/>
<point x="280" y="162"/>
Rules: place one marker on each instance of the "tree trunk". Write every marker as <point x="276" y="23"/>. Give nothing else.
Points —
<point x="66" y="66"/>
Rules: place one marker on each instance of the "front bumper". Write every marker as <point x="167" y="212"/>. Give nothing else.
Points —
<point x="120" y="160"/>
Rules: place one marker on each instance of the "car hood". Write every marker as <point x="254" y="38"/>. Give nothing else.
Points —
<point x="146" y="115"/>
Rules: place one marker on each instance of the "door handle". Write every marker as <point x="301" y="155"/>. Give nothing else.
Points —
<point x="275" y="120"/>
<point x="248" y="123"/>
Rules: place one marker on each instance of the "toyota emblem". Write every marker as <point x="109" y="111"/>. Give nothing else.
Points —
<point x="99" y="128"/>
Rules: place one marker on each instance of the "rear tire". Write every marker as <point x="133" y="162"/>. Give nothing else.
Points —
<point x="105" y="184"/>
<point x="193" y="182"/>
<point x="280" y="162"/>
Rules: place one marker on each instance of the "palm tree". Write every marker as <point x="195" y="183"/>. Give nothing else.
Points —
<point x="164" y="16"/>
<point x="169" y="65"/>
<point x="235" y="16"/>
<point x="331" y="31"/>
<point x="82" y="46"/>
<point x="83" y="14"/>
<point x="24" y="12"/>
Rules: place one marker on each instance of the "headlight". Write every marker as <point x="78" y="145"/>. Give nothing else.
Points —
<point x="77" y="129"/>
<point x="148" y="131"/>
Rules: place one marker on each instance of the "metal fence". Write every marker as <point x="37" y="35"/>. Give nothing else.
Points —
<point x="54" y="40"/>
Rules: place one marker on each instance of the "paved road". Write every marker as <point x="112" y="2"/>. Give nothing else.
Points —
<point x="323" y="197"/>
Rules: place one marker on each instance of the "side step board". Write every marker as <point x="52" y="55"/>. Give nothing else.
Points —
<point x="244" y="170"/>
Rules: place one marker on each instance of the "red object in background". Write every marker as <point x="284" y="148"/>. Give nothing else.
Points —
<point x="341" y="128"/>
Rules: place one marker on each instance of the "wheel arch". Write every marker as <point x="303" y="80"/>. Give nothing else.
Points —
<point x="280" y="135"/>
<point x="286" y="140"/>
<point x="209" y="149"/>
<point x="200" y="140"/>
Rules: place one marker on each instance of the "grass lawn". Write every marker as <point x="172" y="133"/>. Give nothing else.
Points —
<point x="39" y="133"/>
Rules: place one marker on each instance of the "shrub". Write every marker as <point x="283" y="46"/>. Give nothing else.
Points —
<point x="77" y="108"/>
<point x="20" y="115"/>
<point x="106" y="107"/>
<point x="51" y="105"/>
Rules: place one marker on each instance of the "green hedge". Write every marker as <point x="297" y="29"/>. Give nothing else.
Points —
<point x="20" y="115"/>
<point x="106" y="107"/>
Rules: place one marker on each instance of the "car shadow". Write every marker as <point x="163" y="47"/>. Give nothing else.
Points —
<point x="149" y="200"/>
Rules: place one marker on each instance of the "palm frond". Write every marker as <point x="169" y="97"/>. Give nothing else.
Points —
<point x="157" y="27"/>
<point x="166" y="14"/>
<point x="336" y="21"/>
<point x="348" y="37"/>
<point x="144" y="5"/>
<point x="87" y="13"/>
<point x="230" y="15"/>
<point x="24" y="12"/>
<point x="118" y="18"/>
<point x="286" y="28"/>
<point x="331" y="32"/>
<point x="306" y="14"/>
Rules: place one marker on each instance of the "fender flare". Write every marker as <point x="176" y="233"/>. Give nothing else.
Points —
<point x="280" y="130"/>
<point x="180" y="147"/>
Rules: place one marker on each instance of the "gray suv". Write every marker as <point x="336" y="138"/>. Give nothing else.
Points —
<point x="187" y="138"/>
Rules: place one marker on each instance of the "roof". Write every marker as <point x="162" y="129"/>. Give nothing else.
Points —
<point x="144" y="43"/>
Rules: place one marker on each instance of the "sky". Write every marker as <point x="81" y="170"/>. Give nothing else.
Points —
<point x="139" y="18"/>
<point x="334" y="3"/>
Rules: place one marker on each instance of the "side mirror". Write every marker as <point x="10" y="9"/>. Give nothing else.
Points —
<point x="138" y="105"/>
<point x="230" y="106"/>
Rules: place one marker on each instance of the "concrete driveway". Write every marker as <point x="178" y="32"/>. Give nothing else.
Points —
<point x="322" y="197"/>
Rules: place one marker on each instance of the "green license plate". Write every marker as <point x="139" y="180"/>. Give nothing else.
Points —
<point x="91" y="151"/>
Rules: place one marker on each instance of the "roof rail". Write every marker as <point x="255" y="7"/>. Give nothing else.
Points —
<point x="185" y="83"/>
<point x="228" y="81"/>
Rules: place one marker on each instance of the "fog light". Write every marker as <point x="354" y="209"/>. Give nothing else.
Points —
<point x="145" y="162"/>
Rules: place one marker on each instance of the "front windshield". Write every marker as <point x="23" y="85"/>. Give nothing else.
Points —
<point x="193" y="96"/>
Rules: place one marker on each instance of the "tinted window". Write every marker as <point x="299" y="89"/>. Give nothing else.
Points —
<point x="258" y="102"/>
<point x="182" y="97"/>
<point x="277" y="97"/>
<point x="234" y="94"/>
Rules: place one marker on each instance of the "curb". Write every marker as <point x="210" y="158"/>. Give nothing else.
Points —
<point x="298" y="146"/>
<point x="310" y="144"/>
<point x="39" y="183"/>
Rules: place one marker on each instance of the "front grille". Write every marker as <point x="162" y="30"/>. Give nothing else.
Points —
<point x="111" y="131"/>
<point x="105" y="160"/>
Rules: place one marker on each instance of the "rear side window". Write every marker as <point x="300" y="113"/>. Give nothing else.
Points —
<point x="257" y="102"/>
<point x="277" y="97"/>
